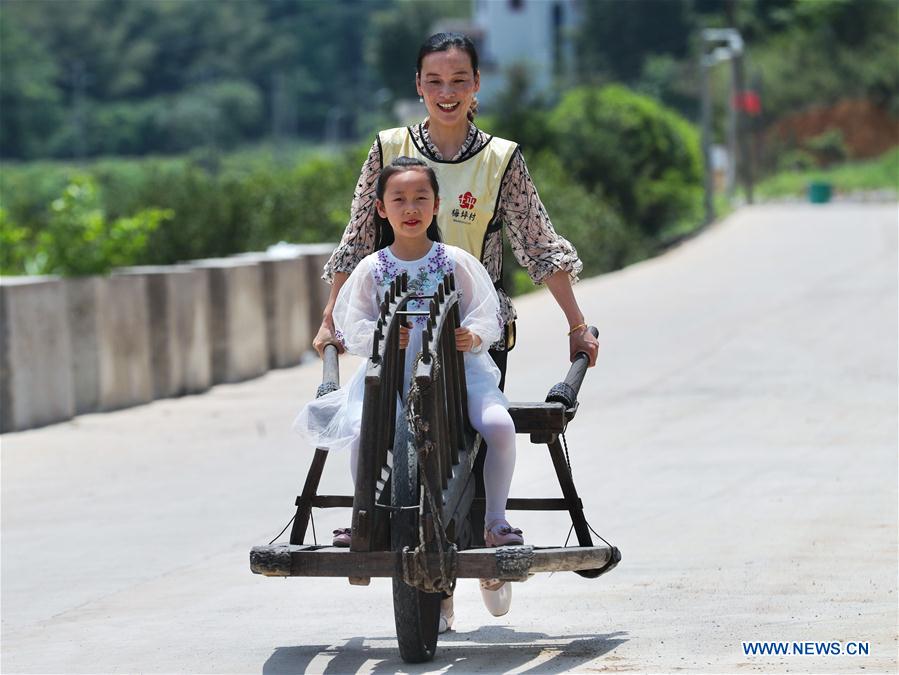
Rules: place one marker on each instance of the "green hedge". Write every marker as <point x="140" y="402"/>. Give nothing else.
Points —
<point x="210" y="208"/>
<point x="645" y="159"/>
<point x="616" y="171"/>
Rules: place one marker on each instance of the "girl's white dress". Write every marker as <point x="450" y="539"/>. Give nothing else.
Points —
<point x="333" y="420"/>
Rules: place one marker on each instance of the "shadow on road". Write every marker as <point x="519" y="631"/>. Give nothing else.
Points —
<point x="486" y="649"/>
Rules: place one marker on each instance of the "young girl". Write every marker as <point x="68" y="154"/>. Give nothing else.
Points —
<point x="408" y="240"/>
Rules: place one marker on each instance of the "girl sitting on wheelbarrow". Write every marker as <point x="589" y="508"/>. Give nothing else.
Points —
<point x="409" y="241"/>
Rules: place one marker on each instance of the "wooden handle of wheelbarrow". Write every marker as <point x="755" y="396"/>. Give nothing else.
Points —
<point x="330" y="372"/>
<point x="566" y="391"/>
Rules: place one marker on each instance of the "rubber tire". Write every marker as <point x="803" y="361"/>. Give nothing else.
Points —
<point x="416" y="614"/>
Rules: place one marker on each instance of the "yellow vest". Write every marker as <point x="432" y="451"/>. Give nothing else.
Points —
<point x="469" y="188"/>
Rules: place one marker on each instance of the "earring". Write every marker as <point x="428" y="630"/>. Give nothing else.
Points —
<point x="421" y="99"/>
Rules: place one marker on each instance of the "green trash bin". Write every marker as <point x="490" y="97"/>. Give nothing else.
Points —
<point x="819" y="192"/>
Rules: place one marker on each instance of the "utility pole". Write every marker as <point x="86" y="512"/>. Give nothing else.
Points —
<point x="709" y="178"/>
<point x="723" y="44"/>
<point x="741" y="128"/>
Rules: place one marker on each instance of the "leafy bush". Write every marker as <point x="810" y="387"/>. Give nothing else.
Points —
<point x="601" y="237"/>
<point x="796" y="160"/>
<point x="879" y="174"/>
<point x="218" y="205"/>
<point x="641" y="157"/>
<point x="78" y="238"/>
<point x="829" y="146"/>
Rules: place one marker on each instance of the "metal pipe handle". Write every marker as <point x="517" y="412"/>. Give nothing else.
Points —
<point x="330" y="372"/>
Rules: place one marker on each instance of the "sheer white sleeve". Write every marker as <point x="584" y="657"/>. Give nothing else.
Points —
<point x="356" y="310"/>
<point x="479" y="307"/>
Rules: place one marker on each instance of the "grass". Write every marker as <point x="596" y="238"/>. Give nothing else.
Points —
<point x="881" y="173"/>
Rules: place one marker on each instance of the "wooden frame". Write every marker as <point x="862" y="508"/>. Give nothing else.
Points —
<point x="446" y="447"/>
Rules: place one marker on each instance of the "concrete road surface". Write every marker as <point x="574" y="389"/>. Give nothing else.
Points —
<point x="738" y="442"/>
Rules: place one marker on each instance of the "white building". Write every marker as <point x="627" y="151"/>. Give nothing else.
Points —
<point x="536" y="34"/>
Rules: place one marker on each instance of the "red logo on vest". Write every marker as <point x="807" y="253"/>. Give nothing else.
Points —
<point x="467" y="201"/>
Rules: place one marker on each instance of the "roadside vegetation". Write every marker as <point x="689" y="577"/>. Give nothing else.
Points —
<point x="879" y="175"/>
<point x="152" y="133"/>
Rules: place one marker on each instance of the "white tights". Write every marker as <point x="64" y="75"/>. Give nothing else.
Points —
<point x="495" y="425"/>
<point x="498" y="430"/>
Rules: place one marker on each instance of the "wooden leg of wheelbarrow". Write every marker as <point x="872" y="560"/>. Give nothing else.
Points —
<point x="566" y="482"/>
<point x="575" y="506"/>
<point x="304" y="501"/>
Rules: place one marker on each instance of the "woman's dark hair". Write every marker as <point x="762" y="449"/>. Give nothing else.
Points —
<point x="383" y="231"/>
<point x="442" y="42"/>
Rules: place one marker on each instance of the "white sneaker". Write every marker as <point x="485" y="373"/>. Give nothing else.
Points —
<point x="446" y="615"/>
<point x="497" y="596"/>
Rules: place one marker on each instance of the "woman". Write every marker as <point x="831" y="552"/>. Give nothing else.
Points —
<point x="494" y="193"/>
<point x="487" y="190"/>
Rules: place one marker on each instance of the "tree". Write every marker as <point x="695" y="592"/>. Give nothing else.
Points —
<point x="616" y="37"/>
<point x="30" y="100"/>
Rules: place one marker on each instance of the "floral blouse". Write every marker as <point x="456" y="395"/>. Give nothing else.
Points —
<point x="534" y="242"/>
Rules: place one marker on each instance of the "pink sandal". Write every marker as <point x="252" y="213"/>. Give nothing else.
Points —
<point x="500" y="533"/>
<point x="342" y="537"/>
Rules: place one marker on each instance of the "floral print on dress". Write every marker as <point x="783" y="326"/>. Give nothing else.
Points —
<point x="439" y="263"/>
<point x="424" y="276"/>
<point x="385" y="270"/>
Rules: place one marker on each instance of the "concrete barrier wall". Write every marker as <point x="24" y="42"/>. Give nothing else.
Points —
<point x="91" y="344"/>
<point x="109" y="342"/>
<point x="82" y="296"/>
<point x="285" y="285"/>
<point x="35" y="358"/>
<point x="237" y="327"/>
<point x="123" y="343"/>
<point x="179" y="316"/>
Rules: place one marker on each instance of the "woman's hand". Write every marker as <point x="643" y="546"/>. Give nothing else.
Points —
<point x="582" y="340"/>
<point x="325" y="337"/>
<point x="404" y="335"/>
<point x="466" y="340"/>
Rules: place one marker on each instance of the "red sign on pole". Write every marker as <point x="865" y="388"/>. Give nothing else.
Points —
<point x="748" y="101"/>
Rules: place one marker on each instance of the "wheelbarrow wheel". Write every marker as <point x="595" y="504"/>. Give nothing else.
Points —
<point x="417" y="614"/>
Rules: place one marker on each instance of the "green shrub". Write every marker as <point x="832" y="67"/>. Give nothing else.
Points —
<point x="641" y="157"/>
<point x="78" y="238"/>
<point x="828" y="146"/>
<point x="219" y="205"/>
<point x="15" y="247"/>
<point x="598" y="232"/>
<point x="796" y="160"/>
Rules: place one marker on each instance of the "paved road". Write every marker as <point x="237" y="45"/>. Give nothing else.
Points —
<point x="738" y="442"/>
